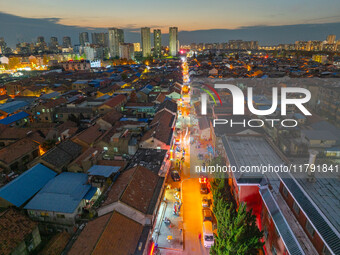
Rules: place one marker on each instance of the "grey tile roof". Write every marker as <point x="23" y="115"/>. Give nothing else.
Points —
<point x="63" y="154"/>
<point x="291" y="243"/>
<point x="327" y="232"/>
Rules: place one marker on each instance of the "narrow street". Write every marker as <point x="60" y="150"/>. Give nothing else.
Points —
<point x="191" y="211"/>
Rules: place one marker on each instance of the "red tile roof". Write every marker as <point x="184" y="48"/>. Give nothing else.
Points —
<point x="88" y="238"/>
<point x="120" y="236"/>
<point x="134" y="187"/>
<point x="14" y="228"/>
<point x="115" y="101"/>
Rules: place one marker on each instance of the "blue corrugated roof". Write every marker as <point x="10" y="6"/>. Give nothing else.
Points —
<point x="91" y="193"/>
<point x="12" y="107"/>
<point x="50" y="95"/>
<point x="105" y="171"/>
<point x="61" y="194"/>
<point x="25" y="186"/>
<point x="14" y="118"/>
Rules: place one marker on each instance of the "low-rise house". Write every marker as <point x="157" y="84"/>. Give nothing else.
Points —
<point x="318" y="138"/>
<point x="101" y="175"/>
<point x="74" y="113"/>
<point x="25" y="186"/>
<point x="85" y="161"/>
<point x="32" y="91"/>
<point x="89" y="136"/>
<point x="114" y="103"/>
<point x="17" y="155"/>
<point x="10" y="108"/>
<point x="107" y="121"/>
<point x="174" y="96"/>
<point x="61" y="201"/>
<point x="135" y="194"/>
<point x="18" y="233"/>
<point x="10" y="135"/>
<point x="57" y="244"/>
<point x="140" y="110"/>
<point x="118" y="143"/>
<point x="80" y="85"/>
<point x="45" y="112"/>
<point x="60" y="156"/>
<point x="160" y="134"/>
<point x="168" y="105"/>
<point x="18" y="119"/>
<point x="112" y="233"/>
<point x="161" y="97"/>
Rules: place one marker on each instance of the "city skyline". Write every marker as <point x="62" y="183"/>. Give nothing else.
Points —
<point x="19" y="29"/>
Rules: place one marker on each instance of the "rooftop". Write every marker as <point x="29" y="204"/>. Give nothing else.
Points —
<point x="109" y="234"/>
<point x="105" y="171"/>
<point x="62" y="154"/>
<point x="61" y="194"/>
<point x="14" y="229"/>
<point x="120" y="236"/>
<point x="25" y="186"/>
<point x="136" y="187"/>
<point x="152" y="159"/>
<point x="13" y="106"/>
<point x="252" y="151"/>
<point x="14" y="118"/>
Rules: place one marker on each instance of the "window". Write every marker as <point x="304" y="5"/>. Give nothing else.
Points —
<point x="43" y="110"/>
<point x="115" y="149"/>
<point x="310" y="228"/>
<point x="326" y="251"/>
<point x="44" y="214"/>
<point x="285" y="191"/>
<point x="296" y="208"/>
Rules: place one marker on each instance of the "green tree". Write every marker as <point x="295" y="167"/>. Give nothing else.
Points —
<point x="237" y="232"/>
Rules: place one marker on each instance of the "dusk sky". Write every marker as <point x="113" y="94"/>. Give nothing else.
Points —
<point x="188" y="15"/>
<point x="26" y="19"/>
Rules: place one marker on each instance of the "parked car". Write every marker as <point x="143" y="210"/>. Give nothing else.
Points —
<point x="207" y="214"/>
<point x="204" y="188"/>
<point x="175" y="176"/>
<point x="206" y="202"/>
<point x="208" y="235"/>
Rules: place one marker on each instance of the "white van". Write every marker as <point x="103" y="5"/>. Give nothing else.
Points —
<point x="208" y="235"/>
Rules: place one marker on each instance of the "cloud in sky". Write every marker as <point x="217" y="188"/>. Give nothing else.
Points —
<point x="18" y="29"/>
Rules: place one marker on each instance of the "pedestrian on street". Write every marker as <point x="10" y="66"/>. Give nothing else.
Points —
<point x="199" y="236"/>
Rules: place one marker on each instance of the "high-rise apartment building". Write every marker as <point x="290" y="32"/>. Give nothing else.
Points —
<point x="2" y="45"/>
<point x="67" y="42"/>
<point x="83" y="38"/>
<point x="54" y="41"/>
<point x="173" y="41"/>
<point x="157" y="39"/>
<point x="146" y="41"/>
<point x="126" y="51"/>
<point x="40" y="39"/>
<point x="136" y="46"/>
<point x="116" y="37"/>
<point x="331" y="39"/>
<point x="100" y="39"/>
